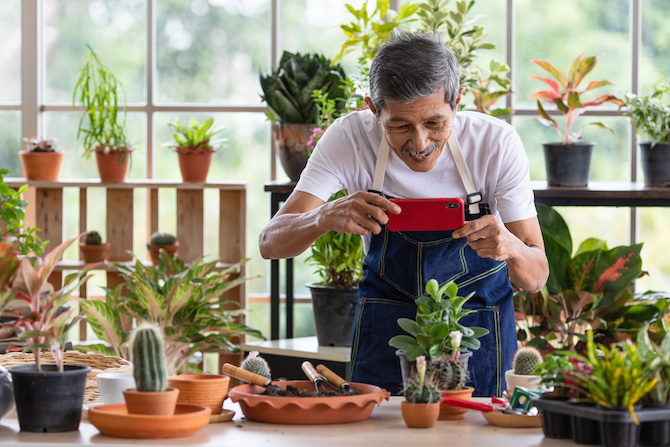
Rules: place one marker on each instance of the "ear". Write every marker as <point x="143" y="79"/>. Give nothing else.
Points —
<point x="460" y="96"/>
<point x="372" y="107"/>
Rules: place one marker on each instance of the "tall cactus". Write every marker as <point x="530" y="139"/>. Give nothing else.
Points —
<point x="148" y="358"/>
<point x="526" y="360"/>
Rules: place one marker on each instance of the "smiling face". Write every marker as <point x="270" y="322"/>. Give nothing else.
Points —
<point x="417" y="131"/>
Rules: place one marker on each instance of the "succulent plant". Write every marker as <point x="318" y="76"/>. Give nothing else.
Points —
<point x="420" y="388"/>
<point x="36" y="144"/>
<point x="92" y="238"/>
<point x="148" y="358"/>
<point x="256" y="364"/>
<point x="287" y="91"/>
<point x="448" y="374"/>
<point x="526" y="360"/>
<point x="159" y="238"/>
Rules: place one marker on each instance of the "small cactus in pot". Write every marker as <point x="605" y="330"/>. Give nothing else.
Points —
<point x="256" y="364"/>
<point x="151" y="395"/>
<point x="525" y="363"/>
<point x="162" y="241"/>
<point x="421" y="406"/>
<point x="92" y="249"/>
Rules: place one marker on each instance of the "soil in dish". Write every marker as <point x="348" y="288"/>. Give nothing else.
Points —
<point x="292" y="391"/>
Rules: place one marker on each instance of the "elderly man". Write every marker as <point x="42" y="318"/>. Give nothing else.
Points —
<point x="412" y="143"/>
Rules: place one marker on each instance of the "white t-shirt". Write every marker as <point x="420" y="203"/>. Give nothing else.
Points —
<point x="345" y="158"/>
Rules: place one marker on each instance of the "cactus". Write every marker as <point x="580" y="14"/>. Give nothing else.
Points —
<point x="526" y="360"/>
<point x="420" y="388"/>
<point x="148" y="358"/>
<point x="92" y="238"/>
<point x="449" y="374"/>
<point x="256" y="364"/>
<point x="163" y="239"/>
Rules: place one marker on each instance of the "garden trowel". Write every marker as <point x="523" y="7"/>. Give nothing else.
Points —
<point x="335" y="380"/>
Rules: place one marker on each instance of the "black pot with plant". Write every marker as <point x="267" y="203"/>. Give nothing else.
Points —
<point x="48" y="398"/>
<point x="568" y="162"/>
<point x="652" y="118"/>
<point x="287" y="92"/>
<point x="339" y="262"/>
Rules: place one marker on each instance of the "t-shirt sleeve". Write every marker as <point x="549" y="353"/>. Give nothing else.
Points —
<point x="515" y="199"/>
<point x="324" y="171"/>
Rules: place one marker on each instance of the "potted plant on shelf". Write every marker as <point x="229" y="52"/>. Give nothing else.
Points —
<point x="48" y="397"/>
<point x="102" y="126"/>
<point x="568" y="162"/>
<point x="339" y="262"/>
<point x="523" y="373"/>
<point x="147" y="354"/>
<point x="40" y="160"/>
<point x="162" y="241"/>
<point x="652" y="118"/>
<point x="194" y="146"/>
<point x="12" y="220"/>
<point x="92" y="249"/>
<point x="287" y="92"/>
<point x="421" y="406"/>
<point x="185" y="300"/>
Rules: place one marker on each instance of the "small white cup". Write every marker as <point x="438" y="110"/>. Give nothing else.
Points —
<point x="112" y="384"/>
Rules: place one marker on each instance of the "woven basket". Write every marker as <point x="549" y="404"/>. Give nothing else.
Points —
<point x="98" y="362"/>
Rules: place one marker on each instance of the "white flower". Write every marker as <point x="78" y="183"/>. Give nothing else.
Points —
<point x="456" y="337"/>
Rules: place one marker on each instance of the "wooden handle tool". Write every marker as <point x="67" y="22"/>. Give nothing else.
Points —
<point x="335" y="380"/>
<point x="242" y="374"/>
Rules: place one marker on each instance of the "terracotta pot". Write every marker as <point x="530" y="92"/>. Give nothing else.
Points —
<point x="453" y="413"/>
<point x="94" y="253"/>
<point x="151" y="402"/>
<point x="41" y="165"/>
<point x="154" y="251"/>
<point x="113" y="165"/>
<point x="291" y="143"/>
<point x="420" y="415"/>
<point x="194" y="165"/>
<point x="207" y="390"/>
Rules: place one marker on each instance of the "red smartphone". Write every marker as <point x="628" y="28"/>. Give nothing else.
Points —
<point x="443" y="214"/>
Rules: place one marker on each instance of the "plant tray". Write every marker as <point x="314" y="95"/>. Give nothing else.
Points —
<point x="612" y="428"/>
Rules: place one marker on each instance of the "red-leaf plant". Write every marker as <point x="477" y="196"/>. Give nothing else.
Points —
<point x="564" y="93"/>
<point x="45" y="318"/>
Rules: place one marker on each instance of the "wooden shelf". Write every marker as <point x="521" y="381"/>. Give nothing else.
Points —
<point x="602" y="194"/>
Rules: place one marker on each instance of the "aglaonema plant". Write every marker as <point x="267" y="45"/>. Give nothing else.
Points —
<point x="590" y="289"/>
<point x="566" y="94"/>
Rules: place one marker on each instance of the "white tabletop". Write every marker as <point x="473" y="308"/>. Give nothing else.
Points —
<point x="301" y="347"/>
<point x="384" y="427"/>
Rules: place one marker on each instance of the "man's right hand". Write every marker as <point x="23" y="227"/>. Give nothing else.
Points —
<point x="359" y="213"/>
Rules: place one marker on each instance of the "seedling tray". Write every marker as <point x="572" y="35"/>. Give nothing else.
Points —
<point x="614" y="428"/>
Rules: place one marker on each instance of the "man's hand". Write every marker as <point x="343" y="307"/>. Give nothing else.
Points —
<point x="489" y="238"/>
<point x="359" y="213"/>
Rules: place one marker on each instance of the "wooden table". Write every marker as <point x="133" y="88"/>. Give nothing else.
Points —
<point x="385" y="427"/>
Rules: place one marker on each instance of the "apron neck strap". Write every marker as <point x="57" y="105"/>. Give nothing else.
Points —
<point x="474" y="196"/>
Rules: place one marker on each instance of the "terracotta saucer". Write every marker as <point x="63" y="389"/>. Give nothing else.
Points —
<point x="114" y="420"/>
<point x="512" y="420"/>
<point x="307" y="410"/>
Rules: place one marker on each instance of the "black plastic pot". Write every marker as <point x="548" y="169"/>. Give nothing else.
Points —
<point x="49" y="401"/>
<point x="556" y="424"/>
<point x="584" y="430"/>
<point x="655" y="164"/>
<point x="568" y="164"/>
<point x="656" y="433"/>
<point x="334" y="312"/>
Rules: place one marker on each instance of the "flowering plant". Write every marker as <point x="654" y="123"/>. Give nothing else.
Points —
<point x="564" y="93"/>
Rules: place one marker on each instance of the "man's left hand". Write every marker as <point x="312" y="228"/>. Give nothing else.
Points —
<point x="489" y="238"/>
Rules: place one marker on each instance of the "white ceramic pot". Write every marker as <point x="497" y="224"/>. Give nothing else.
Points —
<point x="112" y="384"/>
<point x="529" y="382"/>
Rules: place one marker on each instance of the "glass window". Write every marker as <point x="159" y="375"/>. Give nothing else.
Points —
<point x="10" y="141"/>
<point x="115" y="29"/>
<point x="654" y="233"/>
<point x="211" y="51"/>
<point x="655" y="57"/>
<point x="10" y="51"/>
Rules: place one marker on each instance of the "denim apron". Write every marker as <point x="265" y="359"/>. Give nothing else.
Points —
<point x="397" y="267"/>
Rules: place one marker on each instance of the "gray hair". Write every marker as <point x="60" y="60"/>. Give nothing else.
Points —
<point x="410" y="66"/>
